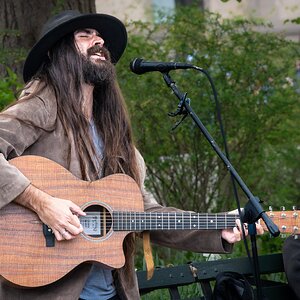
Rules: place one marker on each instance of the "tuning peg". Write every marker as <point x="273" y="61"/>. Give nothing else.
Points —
<point x="283" y="228"/>
<point x="271" y="214"/>
<point x="295" y="213"/>
<point x="283" y="215"/>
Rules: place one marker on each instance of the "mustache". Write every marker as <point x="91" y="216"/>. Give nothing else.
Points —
<point x="98" y="49"/>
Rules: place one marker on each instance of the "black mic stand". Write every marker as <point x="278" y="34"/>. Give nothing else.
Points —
<point x="253" y="210"/>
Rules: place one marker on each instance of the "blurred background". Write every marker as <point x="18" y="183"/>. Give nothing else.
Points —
<point x="274" y="11"/>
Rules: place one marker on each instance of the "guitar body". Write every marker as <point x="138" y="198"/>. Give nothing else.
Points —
<point x="25" y="259"/>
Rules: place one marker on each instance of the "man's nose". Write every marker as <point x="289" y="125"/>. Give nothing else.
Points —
<point x="97" y="40"/>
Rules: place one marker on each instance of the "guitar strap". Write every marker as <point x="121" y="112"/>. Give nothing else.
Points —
<point x="148" y="254"/>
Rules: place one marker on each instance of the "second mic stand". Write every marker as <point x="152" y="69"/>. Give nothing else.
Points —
<point x="253" y="210"/>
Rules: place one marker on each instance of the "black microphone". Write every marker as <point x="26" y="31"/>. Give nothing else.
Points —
<point x="140" y="66"/>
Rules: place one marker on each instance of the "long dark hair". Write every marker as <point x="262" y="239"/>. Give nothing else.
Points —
<point x="63" y="74"/>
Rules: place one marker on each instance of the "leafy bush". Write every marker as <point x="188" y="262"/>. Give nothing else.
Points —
<point x="253" y="72"/>
<point x="9" y="85"/>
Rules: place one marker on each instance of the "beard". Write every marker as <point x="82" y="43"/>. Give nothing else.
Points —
<point x="98" y="72"/>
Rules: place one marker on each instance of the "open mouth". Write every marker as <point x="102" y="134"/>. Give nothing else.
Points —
<point x="98" y="56"/>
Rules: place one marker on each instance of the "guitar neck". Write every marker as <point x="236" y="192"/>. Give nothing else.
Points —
<point x="287" y="221"/>
<point x="140" y="221"/>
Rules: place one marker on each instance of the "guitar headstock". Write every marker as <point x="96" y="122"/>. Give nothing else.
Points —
<point x="287" y="221"/>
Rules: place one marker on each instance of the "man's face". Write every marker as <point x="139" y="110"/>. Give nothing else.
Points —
<point x="89" y="43"/>
<point x="96" y="63"/>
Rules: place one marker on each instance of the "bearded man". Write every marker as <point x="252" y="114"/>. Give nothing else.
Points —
<point x="72" y="112"/>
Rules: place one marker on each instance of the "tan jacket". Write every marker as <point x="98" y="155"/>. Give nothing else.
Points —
<point x="18" y="139"/>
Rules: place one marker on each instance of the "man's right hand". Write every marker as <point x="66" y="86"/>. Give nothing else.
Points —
<point x="61" y="215"/>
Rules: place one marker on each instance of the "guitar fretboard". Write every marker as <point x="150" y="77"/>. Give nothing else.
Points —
<point x="139" y="221"/>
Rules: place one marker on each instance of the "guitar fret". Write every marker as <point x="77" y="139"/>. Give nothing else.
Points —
<point x="193" y="221"/>
<point x="122" y="220"/>
<point x="143" y="221"/>
<point x="125" y="220"/>
<point x="160" y="221"/>
<point x="140" y="222"/>
<point x="186" y="220"/>
<point x="132" y="221"/>
<point x="210" y="223"/>
<point x="128" y="220"/>
<point x="181" y="222"/>
<point x="216" y="221"/>
<point x="145" y="226"/>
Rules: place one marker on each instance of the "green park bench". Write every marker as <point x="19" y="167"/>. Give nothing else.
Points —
<point x="204" y="274"/>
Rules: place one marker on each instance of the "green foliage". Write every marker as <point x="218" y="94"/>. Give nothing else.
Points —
<point x="254" y="75"/>
<point x="294" y="21"/>
<point x="9" y="85"/>
<point x="11" y="56"/>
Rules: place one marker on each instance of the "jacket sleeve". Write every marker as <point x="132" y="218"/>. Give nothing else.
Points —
<point x="21" y="125"/>
<point x="206" y="241"/>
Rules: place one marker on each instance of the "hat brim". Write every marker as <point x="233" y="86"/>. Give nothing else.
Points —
<point x="110" y="29"/>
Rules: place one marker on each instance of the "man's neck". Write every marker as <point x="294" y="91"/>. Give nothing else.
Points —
<point x="88" y="100"/>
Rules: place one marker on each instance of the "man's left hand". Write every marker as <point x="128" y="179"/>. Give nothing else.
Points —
<point x="235" y="235"/>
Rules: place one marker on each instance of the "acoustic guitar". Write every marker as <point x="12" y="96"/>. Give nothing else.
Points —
<point x="30" y="255"/>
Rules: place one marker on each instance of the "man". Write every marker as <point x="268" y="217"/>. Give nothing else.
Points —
<point x="72" y="112"/>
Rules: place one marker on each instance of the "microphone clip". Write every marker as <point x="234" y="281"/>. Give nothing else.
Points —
<point x="181" y="110"/>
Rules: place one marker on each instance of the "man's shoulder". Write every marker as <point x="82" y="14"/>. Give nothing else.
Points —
<point x="37" y="88"/>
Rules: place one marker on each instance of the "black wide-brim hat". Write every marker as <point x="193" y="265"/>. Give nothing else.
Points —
<point x="111" y="29"/>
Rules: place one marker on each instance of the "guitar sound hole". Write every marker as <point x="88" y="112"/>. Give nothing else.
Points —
<point x="97" y="222"/>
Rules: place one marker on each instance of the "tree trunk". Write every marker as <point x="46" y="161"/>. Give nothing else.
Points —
<point x="21" y="23"/>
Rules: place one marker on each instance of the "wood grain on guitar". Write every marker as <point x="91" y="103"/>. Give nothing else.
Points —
<point x="25" y="259"/>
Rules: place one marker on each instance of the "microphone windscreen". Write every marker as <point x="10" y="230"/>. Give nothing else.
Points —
<point x="135" y="65"/>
